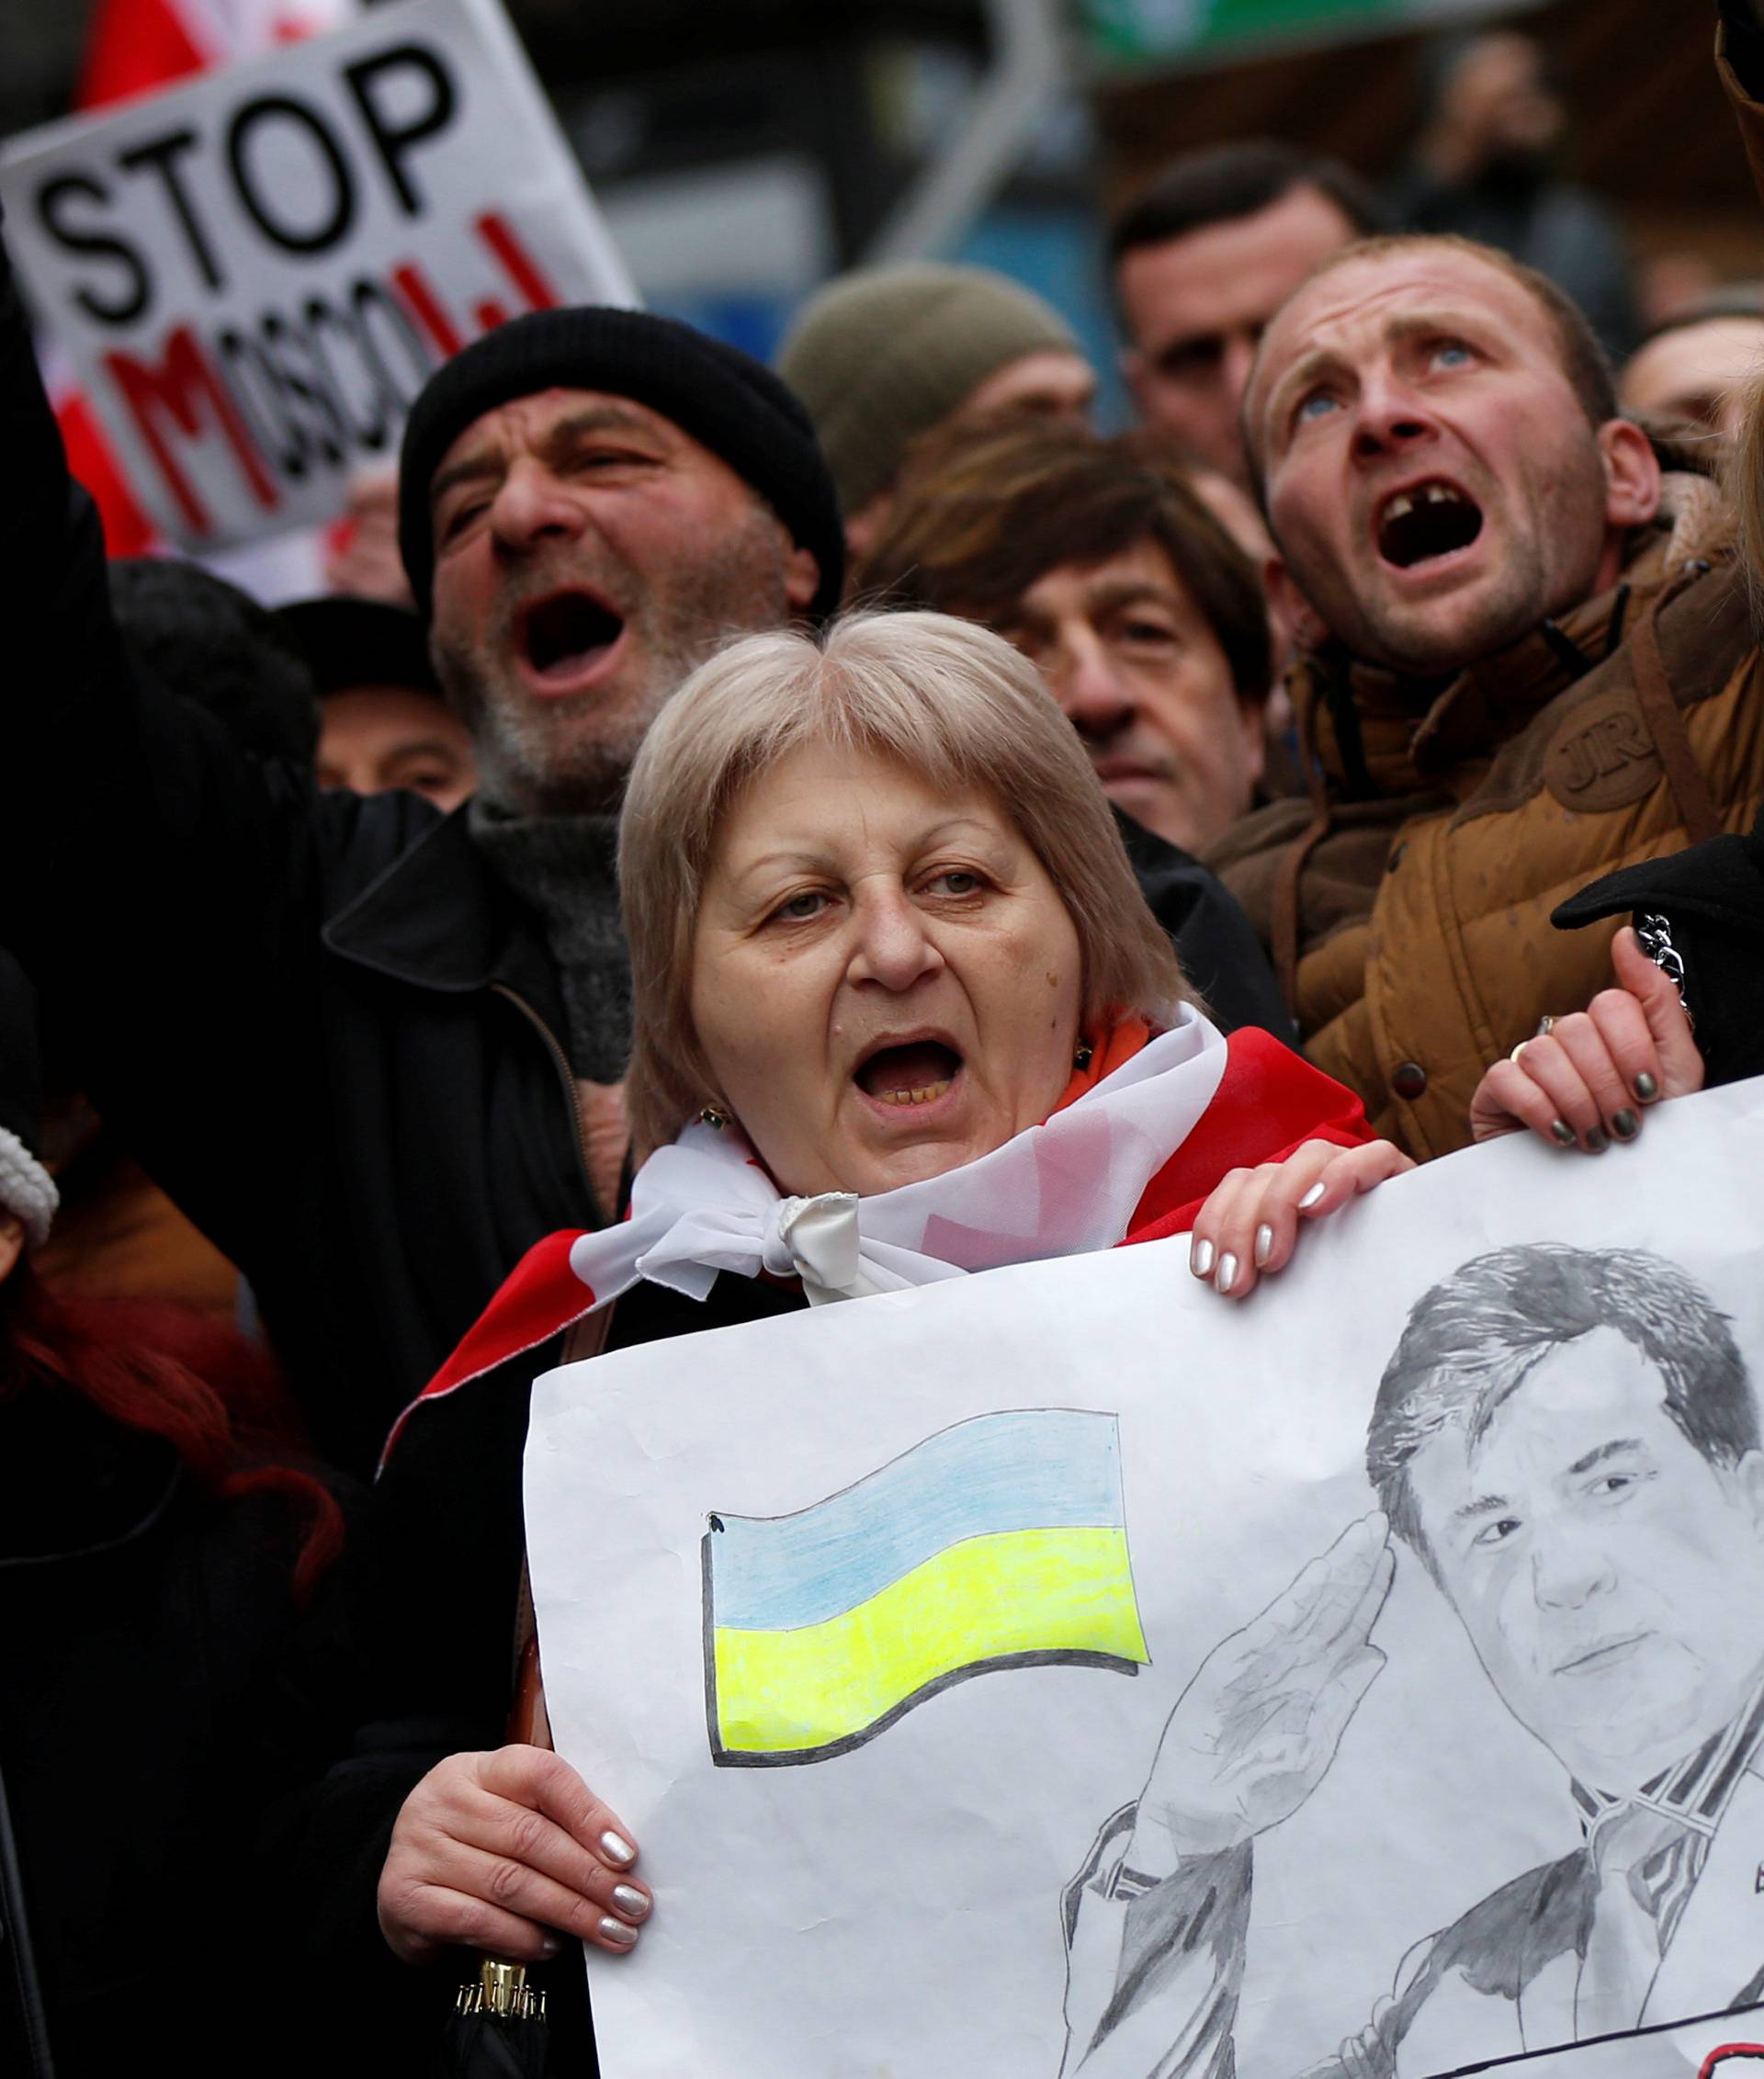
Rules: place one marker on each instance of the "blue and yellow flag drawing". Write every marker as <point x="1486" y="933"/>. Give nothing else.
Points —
<point x="1000" y="1543"/>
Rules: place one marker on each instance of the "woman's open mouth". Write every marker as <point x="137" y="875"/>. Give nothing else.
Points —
<point x="1425" y="522"/>
<point x="912" y="1072"/>
<point x="565" y="636"/>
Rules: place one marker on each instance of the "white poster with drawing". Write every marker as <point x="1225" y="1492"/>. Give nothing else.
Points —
<point x="1061" y="1672"/>
<point x="255" y="273"/>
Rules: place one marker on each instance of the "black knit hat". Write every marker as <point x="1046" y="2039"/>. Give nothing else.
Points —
<point x="25" y="1187"/>
<point x="349" y="642"/>
<point x="723" y="398"/>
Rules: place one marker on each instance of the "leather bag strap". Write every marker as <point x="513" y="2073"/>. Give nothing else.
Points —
<point x="1665" y="719"/>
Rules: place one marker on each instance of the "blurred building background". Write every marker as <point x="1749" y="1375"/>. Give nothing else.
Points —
<point x="747" y="149"/>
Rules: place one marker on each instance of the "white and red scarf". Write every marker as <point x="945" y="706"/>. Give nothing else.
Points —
<point x="1080" y="1181"/>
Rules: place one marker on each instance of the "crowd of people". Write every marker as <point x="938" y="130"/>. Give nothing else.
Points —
<point x="743" y="833"/>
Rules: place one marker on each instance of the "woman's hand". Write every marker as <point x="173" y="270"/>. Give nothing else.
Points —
<point x="1587" y="1080"/>
<point x="1249" y="1226"/>
<point x="493" y="1851"/>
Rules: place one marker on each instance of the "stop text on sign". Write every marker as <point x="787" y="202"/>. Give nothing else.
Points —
<point x="257" y="272"/>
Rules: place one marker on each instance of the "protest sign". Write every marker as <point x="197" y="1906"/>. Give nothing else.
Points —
<point x="1061" y="1671"/>
<point x="256" y="274"/>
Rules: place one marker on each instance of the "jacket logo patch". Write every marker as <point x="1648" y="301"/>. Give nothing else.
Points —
<point x="1603" y="757"/>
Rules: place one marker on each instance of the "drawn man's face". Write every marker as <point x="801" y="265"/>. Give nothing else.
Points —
<point x="1611" y="1579"/>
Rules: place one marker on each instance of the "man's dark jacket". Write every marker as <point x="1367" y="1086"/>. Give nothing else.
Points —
<point x="321" y="1023"/>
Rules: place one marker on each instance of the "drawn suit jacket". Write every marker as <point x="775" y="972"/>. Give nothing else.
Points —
<point x="1152" y="1981"/>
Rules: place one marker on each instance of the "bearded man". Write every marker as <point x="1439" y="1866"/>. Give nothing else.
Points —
<point x="372" y="1050"/>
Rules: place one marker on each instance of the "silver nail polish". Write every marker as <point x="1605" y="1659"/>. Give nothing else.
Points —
<point x="617" y="1848"/>
<point x="616" y="1932"/>
<point x="1200" y="1259"/>
<point x="634" y="1905"/>
<point x="1264" y="1244"/>
<point x="1311" y="1196"/>
<point x="1228" y="1276"/>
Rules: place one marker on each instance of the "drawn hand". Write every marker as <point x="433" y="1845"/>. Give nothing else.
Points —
<point x="492" y="1850"/>
<point x="1250" y="1226"/>
<point x="1587" y="1080"/>
<point x="1255" y="1731"/>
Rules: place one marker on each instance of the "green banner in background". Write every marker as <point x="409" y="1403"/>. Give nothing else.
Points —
<point x="1127" y="33"/>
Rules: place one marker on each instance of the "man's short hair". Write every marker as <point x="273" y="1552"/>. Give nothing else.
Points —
<point x="1226" y="181"/>
<point x="1583" y="361"/>
<point x="986" y="509"/>
<point x="1472" y="1342"/>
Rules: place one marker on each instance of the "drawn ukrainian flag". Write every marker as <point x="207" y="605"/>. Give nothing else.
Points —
<point x="1000" y="1543"/>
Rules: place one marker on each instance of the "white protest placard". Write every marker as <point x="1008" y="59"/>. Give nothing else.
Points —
<point x="1061" y="1672"/>
<point x="255" y="273"/>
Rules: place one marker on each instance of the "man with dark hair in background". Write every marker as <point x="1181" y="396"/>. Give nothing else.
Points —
<point x="1203" y="256"/>
<point x="1096" y="558"/>
<point x="1569" y="1442"/>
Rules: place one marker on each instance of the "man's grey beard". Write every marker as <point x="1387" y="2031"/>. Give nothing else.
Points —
<point x="574" y="758"/>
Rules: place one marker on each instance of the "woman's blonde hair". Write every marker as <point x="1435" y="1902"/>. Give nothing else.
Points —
<point x="955" y="706"/>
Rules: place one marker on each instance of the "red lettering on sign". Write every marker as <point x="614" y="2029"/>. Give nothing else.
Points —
<point x="426" y="308"/>
<point x="177" y="390"/>
<point x="522" y="270"/>
<point x="1730" y="2053"/>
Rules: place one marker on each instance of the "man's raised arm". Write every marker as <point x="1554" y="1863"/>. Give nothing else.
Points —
<point x="162" y="887"/>
<point x="98" y="772"/>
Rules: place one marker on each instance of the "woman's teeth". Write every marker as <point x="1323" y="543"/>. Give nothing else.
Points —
<point x="924" y="1094"/>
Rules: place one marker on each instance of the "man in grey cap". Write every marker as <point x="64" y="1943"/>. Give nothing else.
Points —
<point x="883" y="356"/>
<point x="371" y="1050"/>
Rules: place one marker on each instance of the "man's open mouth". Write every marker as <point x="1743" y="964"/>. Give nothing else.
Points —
<point x="1427" y="521"/>
<point x="566" y="633"/>
<point x="908" y="1072"/>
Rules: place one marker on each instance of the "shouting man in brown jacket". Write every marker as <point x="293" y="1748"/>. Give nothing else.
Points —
<point x="1528" y="660"/>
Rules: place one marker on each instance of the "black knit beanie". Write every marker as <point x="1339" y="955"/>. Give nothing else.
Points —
<point x="349" y="642"/>
<point x="723" y="398"/>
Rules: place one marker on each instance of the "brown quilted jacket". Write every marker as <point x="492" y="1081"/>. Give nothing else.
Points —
<point x="1407" y="904"/>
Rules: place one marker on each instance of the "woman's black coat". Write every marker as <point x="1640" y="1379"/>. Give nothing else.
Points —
<point x="162" y="1699"/>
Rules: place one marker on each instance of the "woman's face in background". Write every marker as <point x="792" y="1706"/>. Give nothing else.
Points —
<point x="886" y="983"/>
